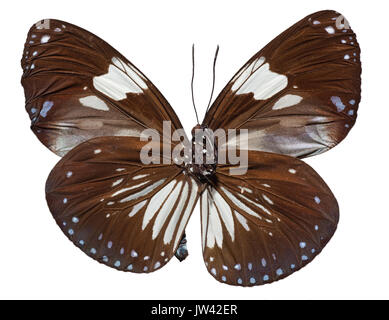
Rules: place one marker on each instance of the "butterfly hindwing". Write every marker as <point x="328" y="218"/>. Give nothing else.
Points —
<point x="78" y="87"/>
<point x="122" y="213"/>
<point x="299" y="95"/>
<point x="264" y="225"/>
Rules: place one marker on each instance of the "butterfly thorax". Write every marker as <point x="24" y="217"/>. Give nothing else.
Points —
<point x="204" y="153"/>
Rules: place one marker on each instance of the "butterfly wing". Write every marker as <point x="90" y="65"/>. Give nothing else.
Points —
<point x="299" y="95"/>
<point x="117" y="210"/>
<point x="266" y="224"/>
<point x="78" y="87"/>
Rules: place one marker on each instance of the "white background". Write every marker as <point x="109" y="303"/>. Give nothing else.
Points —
<point x="37" y="261"/>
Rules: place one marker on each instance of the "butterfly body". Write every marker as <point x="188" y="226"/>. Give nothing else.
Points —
<point x="262" y="218"/>
<point x="204" y="154"/>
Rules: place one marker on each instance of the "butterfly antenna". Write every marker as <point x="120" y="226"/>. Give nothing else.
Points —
<point x="191" y="84"/>
<point x="214" y="76"/>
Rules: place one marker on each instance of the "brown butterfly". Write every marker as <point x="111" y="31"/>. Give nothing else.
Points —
<point x="297" y="97"/>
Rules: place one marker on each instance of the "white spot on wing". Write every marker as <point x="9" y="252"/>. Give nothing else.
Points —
<point x="242" y="220"/>
<point x="267" y="199"/>
<point x="215" y="230"/>
<point x="115" y="183"/>
<point x="286" y="101"/>
<point x="168" y="236"/>
<point x="156" y="201"/>
<point x="188" y="210"/>
<point x="225" y="212"/>
<point x="338" y="103"/>
<point x="244" y="189"/>
<point x="330" y="30"/>
<point x="45" y="38"/>
<point x="258" y="205"/>
<point x="136" y="208"/>
<point x="239" y="203"/>
<point x="166" y="209"/>
<point x="139" y="176"/>
<point x="47" y="105"/>
<point x="120" y="80"/>
<point x="204" y="216"/>
<point x="75" y="220"/>
<point x="94" y="102"/>
<point x="259" y="80"/>
<point x="128" y="188"/>
<point x="143" y="192"/>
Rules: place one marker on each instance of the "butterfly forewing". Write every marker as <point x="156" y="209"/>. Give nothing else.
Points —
<point x="78" y="87"/>
<point x="299" y="95"/>
<point x="264" y="225"/>
<point x="120" y="212"/>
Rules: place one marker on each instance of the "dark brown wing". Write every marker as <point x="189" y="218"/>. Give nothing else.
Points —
<point x="268" y="223"/>
<point x="118" y="211"/>
<point x="78" y="87"/>
<point x="299" y="95"/>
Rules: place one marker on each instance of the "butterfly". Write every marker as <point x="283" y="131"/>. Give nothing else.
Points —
<point x="295" y="98"/>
